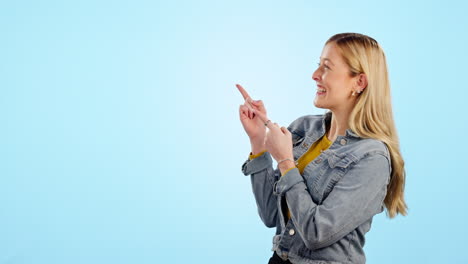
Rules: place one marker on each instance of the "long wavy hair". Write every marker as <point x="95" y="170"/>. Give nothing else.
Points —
<point x="372" y="116"/>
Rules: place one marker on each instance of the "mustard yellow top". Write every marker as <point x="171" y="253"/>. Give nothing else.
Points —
<point x="251" y="157"/>
<point x="314" y="150"/>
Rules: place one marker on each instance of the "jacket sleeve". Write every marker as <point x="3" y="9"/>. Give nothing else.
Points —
<point x="354" y="199"/>
<point x="263" y="178"/>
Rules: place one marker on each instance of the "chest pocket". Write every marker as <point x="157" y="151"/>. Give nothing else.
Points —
<point x="334" y="167"/>
<point x="339" y="161"/>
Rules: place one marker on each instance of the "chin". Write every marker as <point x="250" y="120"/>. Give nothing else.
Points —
<point x="319" y="105"/>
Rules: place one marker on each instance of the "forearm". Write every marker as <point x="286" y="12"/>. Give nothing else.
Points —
<point x="262" y="179"/>
<point x="257" y="146"/>
<point x="263" y="191"/>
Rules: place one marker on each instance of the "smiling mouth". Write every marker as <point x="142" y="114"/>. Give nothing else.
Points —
<point x="321" y="91"/>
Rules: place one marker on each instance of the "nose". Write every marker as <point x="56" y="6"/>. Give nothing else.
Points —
<point x="316" y="75"/>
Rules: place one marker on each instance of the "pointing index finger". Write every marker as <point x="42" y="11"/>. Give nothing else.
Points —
<point x="243" y="91"/>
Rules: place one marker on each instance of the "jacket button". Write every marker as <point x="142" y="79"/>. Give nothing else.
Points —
<point x="292" y="232"/>
<point x="343" y="141"/>
<point x="305" y="145"/>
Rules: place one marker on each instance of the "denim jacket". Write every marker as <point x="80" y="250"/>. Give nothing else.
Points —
<point x="331" y="204"/>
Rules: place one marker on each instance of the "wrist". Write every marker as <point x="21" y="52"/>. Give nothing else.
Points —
<point x="286" y="165"/>
<point x="257" y="147"/>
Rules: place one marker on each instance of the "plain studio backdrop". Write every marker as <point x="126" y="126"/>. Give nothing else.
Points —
<point x="120" y="138"/>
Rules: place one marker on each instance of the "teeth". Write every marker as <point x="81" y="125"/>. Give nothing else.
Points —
<point x="321" y="90"/>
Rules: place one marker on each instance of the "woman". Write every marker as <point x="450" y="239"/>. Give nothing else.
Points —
<point x="335" y="171"/>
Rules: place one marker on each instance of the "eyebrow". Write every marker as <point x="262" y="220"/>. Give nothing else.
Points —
<point x="327" y="60"/>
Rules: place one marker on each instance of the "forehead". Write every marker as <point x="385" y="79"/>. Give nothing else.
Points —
<point x="330" y="52"/>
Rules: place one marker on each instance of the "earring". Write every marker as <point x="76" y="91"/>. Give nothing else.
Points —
<point x="354" y="93"/>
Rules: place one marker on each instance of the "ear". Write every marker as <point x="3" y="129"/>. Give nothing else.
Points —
<point x="361" y="82"/>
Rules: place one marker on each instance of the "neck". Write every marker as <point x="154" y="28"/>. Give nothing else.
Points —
<point x="339" y="124"/>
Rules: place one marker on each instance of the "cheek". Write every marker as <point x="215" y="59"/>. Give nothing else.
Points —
<point x="338" y="86"/>
<point x="338" y="93"/>
<point x="331" y="79"/>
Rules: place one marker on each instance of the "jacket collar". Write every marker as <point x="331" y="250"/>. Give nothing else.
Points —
<point x="326" y="120"/>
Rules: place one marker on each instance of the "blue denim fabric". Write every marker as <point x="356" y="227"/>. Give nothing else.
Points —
<point x="332" y="203"/>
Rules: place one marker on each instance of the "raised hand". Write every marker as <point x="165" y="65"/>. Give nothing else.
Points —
<point x="253" y="125"/>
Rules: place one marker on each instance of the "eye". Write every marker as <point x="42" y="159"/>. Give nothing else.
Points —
<point x="325" y="66"/>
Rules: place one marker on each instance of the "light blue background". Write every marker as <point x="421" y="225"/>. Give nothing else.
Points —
<point x="120" y="140"/>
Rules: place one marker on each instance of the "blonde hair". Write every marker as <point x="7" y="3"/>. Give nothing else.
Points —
<point x="372" y="115"/>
